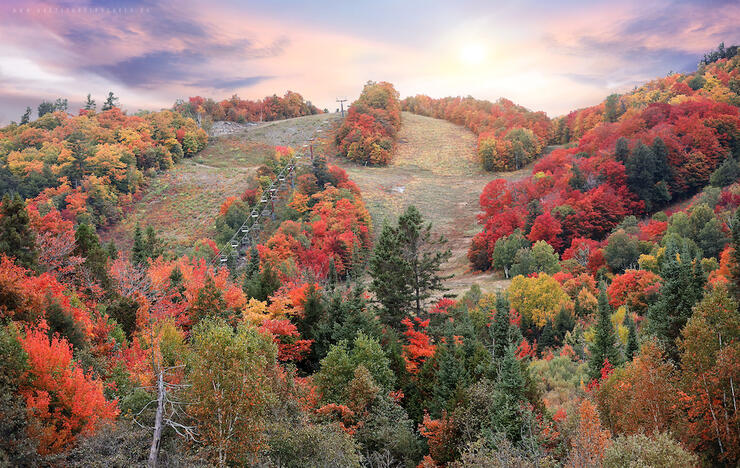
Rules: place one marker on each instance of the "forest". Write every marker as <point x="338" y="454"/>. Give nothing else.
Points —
<point x="235" y="109"/>
<point x="616" y="341"/>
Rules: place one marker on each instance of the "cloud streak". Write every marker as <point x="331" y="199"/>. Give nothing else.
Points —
<point x="553" y="57"/>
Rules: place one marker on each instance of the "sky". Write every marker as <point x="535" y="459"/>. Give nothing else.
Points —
<point x="554" y="56"/>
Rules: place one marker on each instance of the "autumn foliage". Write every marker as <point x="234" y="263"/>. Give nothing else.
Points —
<point x="91" y="167"/>
<point x="235" y="109"/>
<point x="61" y="400"/>
<point x="369" y="131"/>
<point x="509" y="136"/>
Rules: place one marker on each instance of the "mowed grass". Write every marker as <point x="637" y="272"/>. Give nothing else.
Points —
<point x="182" y="203"/>
<point x="435" y="168"/>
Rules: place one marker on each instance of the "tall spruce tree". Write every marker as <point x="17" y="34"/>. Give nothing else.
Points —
<point x="451" y="376"/>
<point x="424" y="253"/>
<point x="87" y="245"/>
<point x="110" y="102"/>
<point x="90" y="103"/>
<point x="509" y="394"/>
<point x="390" y="273"/>
<point x="26" y="117"/>
<point x="604" y="345"/>
<point x="622" y="150"/>
<point x="154" y="247"/>
<point x="138" y="251"/>
<point x="16" y="237"/>
<point x="405" y="266"/>
<point x="499" y="330"/>
<point x="632" y="346"/>
<point x="682" y="288"/>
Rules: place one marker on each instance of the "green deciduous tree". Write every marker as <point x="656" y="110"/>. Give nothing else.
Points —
<point x="233" y="378"/>
<point x="506" y="249"/>
<point x="622" y="251"/>
<point x="541" y="258"/>
<point x="657" y="451"/>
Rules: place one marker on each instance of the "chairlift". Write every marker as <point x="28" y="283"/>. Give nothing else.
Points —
<point x="263" y="199"/>
<point x="245" y="230"/>
<point x="224" y="258"/>
<point x="255" y="214"/>
<point x="234" y="244"/>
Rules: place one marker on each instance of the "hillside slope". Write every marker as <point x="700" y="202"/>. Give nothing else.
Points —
<point x="434" y="168"/>
<point x="183" y="203"/>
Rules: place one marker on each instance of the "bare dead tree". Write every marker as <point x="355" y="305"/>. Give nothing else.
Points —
<point x="169" y="413"/>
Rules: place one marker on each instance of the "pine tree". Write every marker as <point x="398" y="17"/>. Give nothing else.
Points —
<point x="177" y="284"/>
<point x="138" y="251"/>
<point x="263" y="284"/>
<point x="87" y="244"/>
<point x="26" y="117"/>
<point x="499" y="330"/>
<point x="313" y="313"/>
<point x="111" y="250"/>
<point x="110" y="102"/>
<point x="683" y="286"/>
<point x="331" y="277"/>
<point x="390" y="273"/>
<point x="604" y="345"/>
<point x="253" y="266"/>
<point x="451" y="376"/>
<point x="90" y="103"/>
<point x="509" y="394"/>
<point x="16" y="237"/>
<point x="622" y="150"/>
<point x="321" y="171"/>
<point x="153" y="246"/>
<point x="632" y="346"/>
<point x="424" y="255"/>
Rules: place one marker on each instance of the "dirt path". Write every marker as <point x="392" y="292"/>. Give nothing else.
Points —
<point x="434" y="168"/>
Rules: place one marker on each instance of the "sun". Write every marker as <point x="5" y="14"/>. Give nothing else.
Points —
<point x="472" y="54"/>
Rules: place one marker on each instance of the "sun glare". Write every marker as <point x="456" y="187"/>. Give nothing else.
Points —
<point x="472" y="54"/>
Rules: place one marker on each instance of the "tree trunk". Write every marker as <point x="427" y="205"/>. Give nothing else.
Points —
<point x="154" y="450"/>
